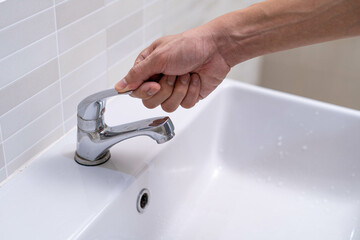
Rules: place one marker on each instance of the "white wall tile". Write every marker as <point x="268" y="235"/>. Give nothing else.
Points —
<point x="27" y="86"/>
<point x="2" y="160"/>
<point x="72" y="59"/>
<point x="125" y="47"/>
<point x="120" y="69"/>
<point x="109" y="1"/>
<point x="83" y="75"/>
<point x="123" y="28"/>
<point x="15" y="10"/>
<point x="2" y="174"/>
<point x="120" y="9"/>
<point x="153" y="11"/>
<point x="70" y="123"/>
<point x="26" y="32"/>
<point x="72" y="10"/>
<point x="27" y="60"/>
<point x="31" y="134"/>
<point x="39" y="146"/>
<point x="81" y="30"/>
<point x="20" y="116"/>
<point x="60" y="1"/>
<point x="153" y="30"/>
<point x="70" y="104"/>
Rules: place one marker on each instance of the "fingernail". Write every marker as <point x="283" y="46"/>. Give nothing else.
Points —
<point x="185" y="81"/>
<point x="170" y="82"/>
<point x="121" y="84"/>
<point x="151" y="92"/>
<point x="195" y="81"/>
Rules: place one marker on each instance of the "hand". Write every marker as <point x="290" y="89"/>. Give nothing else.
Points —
<point x="186" y="68"/>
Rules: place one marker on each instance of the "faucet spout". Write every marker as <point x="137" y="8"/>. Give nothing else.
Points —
<point x="95" y="138"/>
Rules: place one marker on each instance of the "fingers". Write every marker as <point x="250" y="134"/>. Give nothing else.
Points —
<point x="146" y="65"/>
<point x="146" y="90"/>
<point x="193" y="92"/>
<point x="167" y="86"/>
<point x="178" y="94"/>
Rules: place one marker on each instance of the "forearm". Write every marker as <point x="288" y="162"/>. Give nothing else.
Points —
<point x="276" y="25"/>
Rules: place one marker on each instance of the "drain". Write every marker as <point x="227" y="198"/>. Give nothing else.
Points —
<point x="143" y="200"/>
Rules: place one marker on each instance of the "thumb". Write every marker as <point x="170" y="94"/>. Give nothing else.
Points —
<point x="138" y="74"/>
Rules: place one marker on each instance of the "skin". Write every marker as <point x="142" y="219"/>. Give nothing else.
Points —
<point x="180" y="70"/>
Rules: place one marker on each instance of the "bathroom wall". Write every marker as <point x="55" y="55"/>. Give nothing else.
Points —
<point x="53" y="53"/>
<point x="327" y="72"/>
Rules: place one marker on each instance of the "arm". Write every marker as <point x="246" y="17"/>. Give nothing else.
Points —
<point x="195" y="62"/>
<point x="276" y="25"/>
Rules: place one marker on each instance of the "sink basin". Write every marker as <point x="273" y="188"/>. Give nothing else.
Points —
<point x="253" y="164"/>
<point x="247" y="163"/>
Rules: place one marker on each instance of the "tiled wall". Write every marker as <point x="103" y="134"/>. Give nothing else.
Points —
<point x="53" y="53"/>
<point x="327" y="72"/>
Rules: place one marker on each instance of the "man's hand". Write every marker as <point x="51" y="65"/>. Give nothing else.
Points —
<point x="186" y="68"/>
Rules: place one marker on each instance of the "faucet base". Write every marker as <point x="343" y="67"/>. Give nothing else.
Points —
<point x="100" y="160"/>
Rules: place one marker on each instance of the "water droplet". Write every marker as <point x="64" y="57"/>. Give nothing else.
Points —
<point x="280" y="183"/>
<point x="269" y="179"/>
<point x="261" y="148"/>
<point x="353" y="174"/>
<point x="309" y="132"/>
<point x="280" y="138"/>
<point x="317" y="113"/>
<point x="279" y="144"/>
<point x="304" y="147"/>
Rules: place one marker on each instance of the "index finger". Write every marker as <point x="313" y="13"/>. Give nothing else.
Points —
<point x="139" y="73"/>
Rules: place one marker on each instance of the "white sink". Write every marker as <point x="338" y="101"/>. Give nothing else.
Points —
<point x="248" y="163"/>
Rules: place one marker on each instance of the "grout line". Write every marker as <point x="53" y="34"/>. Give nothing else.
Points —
<point x="82" y="18"/>
<point x="82" y="41"/>
<point x="125" y="38"/>
<point x="26" y="163"/>
<point x="124" y="17"/>
<point x="149" y="3"/>
<point x="28" y="99"/>
<point x="125" y="57"/>
<point x="85" y="85"/>
<point x="25" y="19"/>
<point x="59" y="70"/>
<point x="32" y="121"/>
<point x="143" y="23"/>
<point x="3" y="153"/>
<point x="32" y="70"/>
<point x="27" y="46"/>
<point x="84" y="63"/>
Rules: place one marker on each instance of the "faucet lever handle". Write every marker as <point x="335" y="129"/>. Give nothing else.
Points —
<point x="92" y="107"/>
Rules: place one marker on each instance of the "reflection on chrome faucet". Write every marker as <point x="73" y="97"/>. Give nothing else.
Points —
<point x="94" y="137"/>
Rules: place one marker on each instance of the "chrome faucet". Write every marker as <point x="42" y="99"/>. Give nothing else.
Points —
<point x="94" y="137"/>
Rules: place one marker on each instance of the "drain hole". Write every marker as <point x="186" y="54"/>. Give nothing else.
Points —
<point x="143" y="200"/>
